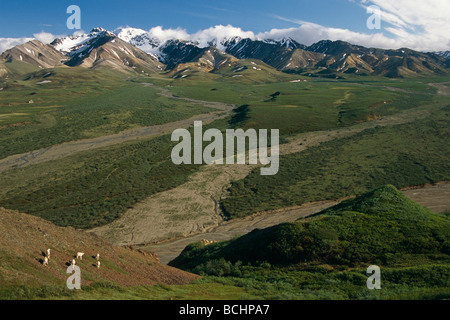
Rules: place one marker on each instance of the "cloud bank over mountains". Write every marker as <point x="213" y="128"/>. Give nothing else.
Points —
<point x="415" y="24"/>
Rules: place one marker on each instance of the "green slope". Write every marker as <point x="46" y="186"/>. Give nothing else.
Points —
<point x="381" y="227"/>
<point x="408" y="154"/>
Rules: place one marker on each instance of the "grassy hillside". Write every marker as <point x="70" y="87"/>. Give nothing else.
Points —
<point x="403" y="155"/>
<point x="296" y="107"/>
<point x="373" y="228"/>
<point x="125" y="274"/>
<point x="327" y="254"/>
<point x="92" y="188"/>
<point x="322" y="257"/>
<point x="24" y="240"/>
<point x="72" y="104"/>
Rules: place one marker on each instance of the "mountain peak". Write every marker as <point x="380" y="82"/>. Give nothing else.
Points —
<point x="36" y="53"/>
<point x="77" y="40"/>
<point x="286" y="42"/>
<point x="444" y="54"/>
<point x="174" y="46"/>
<point x="98" y="29"/>
<point x="128" y="33"/>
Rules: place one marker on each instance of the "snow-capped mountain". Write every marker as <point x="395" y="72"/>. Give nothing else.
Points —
<point x="128" y="34"/>
<point x="445" y="54"/>
<point x="150" y="41"/>
<point x="284" y="54"/>
<point x="131" y="49"/>
<point x="100" y="48"/>
<point x="175" y="52"/>
<point x="159" y="43"/>
<point x="80" y="42"/>
<point x="178" y="47"/>
<point x="171" y="48"/>
<point x="140" y="39"/>
<point x="286" y="43"/>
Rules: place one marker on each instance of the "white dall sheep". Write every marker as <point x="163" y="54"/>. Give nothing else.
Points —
<point x="73" y="262"/>
<point x="48" y="253"/>
<point x="98" y="256"/>
<point x="45" y="262"/>
<point x="98" y="264"/>
<point x="80" y="255"/>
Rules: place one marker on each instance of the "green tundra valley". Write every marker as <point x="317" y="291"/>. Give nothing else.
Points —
<point x="86" y="125"/>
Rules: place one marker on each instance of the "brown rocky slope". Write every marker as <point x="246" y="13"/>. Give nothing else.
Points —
<point x="24" y="240"/>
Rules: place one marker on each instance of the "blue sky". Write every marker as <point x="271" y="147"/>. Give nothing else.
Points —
<point x="24" y="18"/>
<point x="417" y="24"/>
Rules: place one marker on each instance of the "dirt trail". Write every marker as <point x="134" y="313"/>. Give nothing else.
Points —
<point x="192" y="208"/>
<point x="443" y="88"/>
<point x="66" y="149"/>
<point x="434" y="197"/>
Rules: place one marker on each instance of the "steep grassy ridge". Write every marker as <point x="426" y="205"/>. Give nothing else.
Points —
<point x="326" y="256"/>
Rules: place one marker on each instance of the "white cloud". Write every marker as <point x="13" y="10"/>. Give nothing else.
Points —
<point x="157" y="33"/>
<point x="44" y="37"/>
<point x="421" y="25"/>
<point x="168" y="34"/>
<point x="218" y="33"/>
<point x="203" y="37"/>
<point x="406" y="23"/>
<point x="308" y="33"/>
<point x="416" y="24"/>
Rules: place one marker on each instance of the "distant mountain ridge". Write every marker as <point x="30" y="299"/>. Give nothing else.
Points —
<point x="288" y="55"/>
<point x="135" y="50"/>
<point x="445" y="54"/>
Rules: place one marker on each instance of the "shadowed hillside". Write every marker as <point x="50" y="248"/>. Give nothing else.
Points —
<point x="376" y="228"/>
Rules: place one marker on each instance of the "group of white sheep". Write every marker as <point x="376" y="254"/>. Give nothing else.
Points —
<point x="73" y="262"/>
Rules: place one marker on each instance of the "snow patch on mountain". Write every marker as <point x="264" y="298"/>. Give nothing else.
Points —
<point x="127" y="34"/>
<point x="79" y="41"/>
<point x="151" y="41"/>
<point x="286" y="42"/>
<point x="445" y="54"/>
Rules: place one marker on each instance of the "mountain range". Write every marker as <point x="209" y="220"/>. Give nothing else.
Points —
<point x="134" y="50"/>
